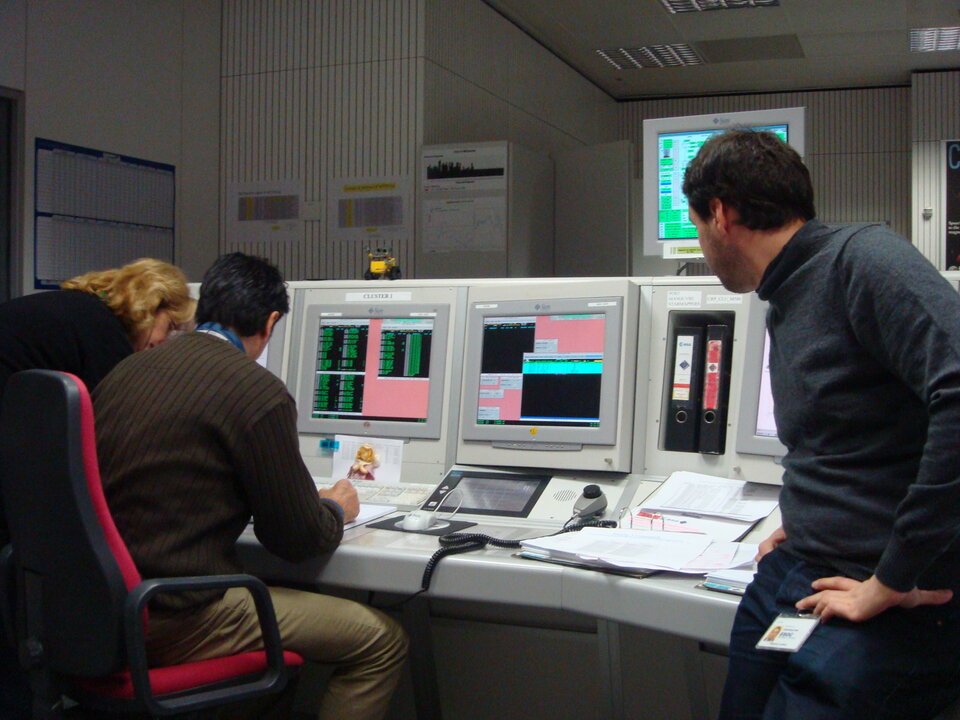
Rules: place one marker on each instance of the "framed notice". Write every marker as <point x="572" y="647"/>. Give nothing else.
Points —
<point x="951" y="205"/>
<point x="95" y="210"/>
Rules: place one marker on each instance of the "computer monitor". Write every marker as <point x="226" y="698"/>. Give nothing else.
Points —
<point x="757" y="428"/>
<point x="272" y="356"/>
<point x="373" y="369"/>
<point x="542" y="383"/>
<point x="669" y="144"/>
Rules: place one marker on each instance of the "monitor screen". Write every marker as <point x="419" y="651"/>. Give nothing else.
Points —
<point x="669" y="144"/>
<point x="756" y="427"/>
<point x="766" y="424"/>
<point x="543" y="371"/>
<point x="478" y="492"/>
<point x="675" y="151"/>
<point x="372" y="368"/>
<point x="373" y="371"/>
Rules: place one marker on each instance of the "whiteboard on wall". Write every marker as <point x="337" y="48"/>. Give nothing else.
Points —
<point x="373" y="211"/>
<point x="464" y="198"/>
<point x="266" y="210"/>
<point x="95" y="210"/>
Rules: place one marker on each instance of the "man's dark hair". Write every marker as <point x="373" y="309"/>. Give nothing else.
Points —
<point x="756" y="173"/>
<point x="240" y="291"/>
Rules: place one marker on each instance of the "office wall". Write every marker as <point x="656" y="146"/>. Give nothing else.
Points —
<point x="13" y="42"/>
<point x="133" y="77"/>
<point x="857" y="148"/>
<point x="485" y="79"/>
<point x="935" y="99"/>
<point x="318" y="91"/>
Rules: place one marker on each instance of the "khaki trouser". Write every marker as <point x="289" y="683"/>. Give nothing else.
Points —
<point x="366" y="647"/>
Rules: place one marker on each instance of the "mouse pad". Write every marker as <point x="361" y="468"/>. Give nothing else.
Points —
<point x="441" y="528"/>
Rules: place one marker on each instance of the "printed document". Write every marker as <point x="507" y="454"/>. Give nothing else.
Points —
<point x="694" y="494"/>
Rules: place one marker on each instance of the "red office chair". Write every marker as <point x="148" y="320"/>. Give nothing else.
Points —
<point x="81" y="604"/>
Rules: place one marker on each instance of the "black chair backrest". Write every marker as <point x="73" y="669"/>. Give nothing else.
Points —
<point x="71" y="582"/>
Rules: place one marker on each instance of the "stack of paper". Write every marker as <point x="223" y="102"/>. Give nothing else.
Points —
<point x="639" y="550"/>
<point x="729" y="581"/>
<point x="722" y="508"/>
<point x="368" y="513"/>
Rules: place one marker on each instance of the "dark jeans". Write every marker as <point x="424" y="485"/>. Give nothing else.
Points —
<point x="15" y="695"/>
<point x="901" y="664"/>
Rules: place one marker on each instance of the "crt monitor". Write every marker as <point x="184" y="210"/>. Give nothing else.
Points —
<point x="757" y="428"/>
<point x="543" y="374"/>
<point x="373" y="370"/>
<point x="669" y="144"/>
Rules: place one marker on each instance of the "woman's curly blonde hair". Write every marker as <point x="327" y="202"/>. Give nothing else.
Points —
<point x="135" y="293"/>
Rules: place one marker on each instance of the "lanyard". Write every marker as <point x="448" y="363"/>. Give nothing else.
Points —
<point x="226" y="333"/>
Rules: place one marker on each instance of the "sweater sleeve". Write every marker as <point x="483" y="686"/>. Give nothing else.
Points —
<point x="290" y="520"/>
<point x="905" y="313"/>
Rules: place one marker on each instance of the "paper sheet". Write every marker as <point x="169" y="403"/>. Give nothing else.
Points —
<point x="350" y="462"/>
<point x="697" y="495"/>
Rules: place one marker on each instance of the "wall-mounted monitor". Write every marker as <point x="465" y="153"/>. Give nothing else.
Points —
<point x="373" y="369"/>
<point x="669" y="144"/>
<point x="542" y="383"/>
<point x="757" y="427"/>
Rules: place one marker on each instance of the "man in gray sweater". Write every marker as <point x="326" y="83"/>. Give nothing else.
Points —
<point x="194" y="438"/>
<point x="865" y="372"/>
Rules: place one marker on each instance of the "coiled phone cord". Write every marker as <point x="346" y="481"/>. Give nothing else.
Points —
<point x="461" y="542"/>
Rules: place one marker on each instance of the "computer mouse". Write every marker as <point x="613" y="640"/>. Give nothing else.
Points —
<point x="418" y="520"/>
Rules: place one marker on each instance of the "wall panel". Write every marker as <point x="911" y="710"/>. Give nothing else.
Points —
<point x="319" y="91"/>
<point x="935" y="99"/>
<point x="472" y="51"/>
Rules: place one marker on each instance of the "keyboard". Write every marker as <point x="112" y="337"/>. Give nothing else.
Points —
<point x="402" y="494"/>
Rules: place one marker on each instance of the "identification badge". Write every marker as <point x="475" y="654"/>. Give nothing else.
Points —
<point x="788" y="633"/>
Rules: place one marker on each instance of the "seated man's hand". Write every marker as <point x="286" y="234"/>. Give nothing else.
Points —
<point x="344" y="494"/>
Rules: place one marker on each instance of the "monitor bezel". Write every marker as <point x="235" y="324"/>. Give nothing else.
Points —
<point x="542" y="435"/>
<point x="653" y="128"/>
<point x="748" y="441"/>
<point x="370" y="427"/>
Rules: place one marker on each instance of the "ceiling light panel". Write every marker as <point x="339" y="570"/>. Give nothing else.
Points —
<point x="651" y="56"/>
<point x="935" y="39"/>
<point x="609" y="55"/>
<point x="681" y="6"/>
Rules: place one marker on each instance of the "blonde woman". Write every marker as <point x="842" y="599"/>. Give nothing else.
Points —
<point x="94" y="321"/>
<point x="86" y="328"/>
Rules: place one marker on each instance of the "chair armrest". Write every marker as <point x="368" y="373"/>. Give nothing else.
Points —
<point x="273" y="679"/>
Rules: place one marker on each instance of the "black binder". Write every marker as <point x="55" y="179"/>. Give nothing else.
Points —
<point x="716" y="389"/>
<point x="683" y="414"/>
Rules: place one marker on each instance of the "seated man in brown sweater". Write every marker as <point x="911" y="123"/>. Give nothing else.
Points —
<point x="194" y="438"/>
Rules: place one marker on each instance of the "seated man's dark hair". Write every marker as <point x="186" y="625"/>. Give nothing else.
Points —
<point x="756" y="173"/>
<point x="240" y="291"/>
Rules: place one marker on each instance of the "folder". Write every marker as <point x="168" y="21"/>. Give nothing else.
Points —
<point x="716" y="389"/>
<point x="683" y="416"/>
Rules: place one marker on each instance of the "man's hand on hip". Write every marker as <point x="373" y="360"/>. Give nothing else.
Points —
<point x="859" y="601"/>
